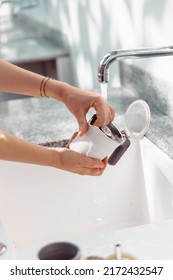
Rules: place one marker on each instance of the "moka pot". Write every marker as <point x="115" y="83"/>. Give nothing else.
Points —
<point x="98" y="142"/>
<point x="107" y="140"/>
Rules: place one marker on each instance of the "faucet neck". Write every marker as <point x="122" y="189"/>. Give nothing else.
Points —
<point x="108" y="59"/>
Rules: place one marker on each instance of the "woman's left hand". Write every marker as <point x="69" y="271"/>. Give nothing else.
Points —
<point x="80" y="101"/>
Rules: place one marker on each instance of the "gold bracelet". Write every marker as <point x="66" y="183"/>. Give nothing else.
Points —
<point x="43" y="87"/>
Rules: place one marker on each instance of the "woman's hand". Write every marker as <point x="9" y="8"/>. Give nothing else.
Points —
<point x="17" y="80"/>
<point x="74" y="162"/>
<point x="16" y="149"/>
<point x="79" y="102"/>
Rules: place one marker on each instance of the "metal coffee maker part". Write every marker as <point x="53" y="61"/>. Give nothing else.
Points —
<point x="121" y="137"/>
<point x="107" y="140"/>
<point x="120" y="255"/>
<point x="98" y="142"/>
<point x="137" y="120"/>
<point x="117" y="255"/>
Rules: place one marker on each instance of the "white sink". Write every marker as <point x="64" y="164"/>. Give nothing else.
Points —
<point x="43" y="204"/>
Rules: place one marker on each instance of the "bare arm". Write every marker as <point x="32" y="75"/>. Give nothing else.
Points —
<point x="14" y="79"/>
<point x="17" y="80"/>
<point x="19" y="150"/>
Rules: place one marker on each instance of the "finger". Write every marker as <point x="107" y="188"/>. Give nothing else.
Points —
<point x="100" y="112"/>
<point x="105" y="113"/>
<point x="83" y="129"/>
<point x="112" y="113"/>
<point x="89" y="162"/>
<point x="71" y="139"/>
<point x="97" y="171"/>
<point x="91" y="172"/>
<point x="83" y="125"/>
<point x="101" y="170"/>
<point x="105" y="161"/>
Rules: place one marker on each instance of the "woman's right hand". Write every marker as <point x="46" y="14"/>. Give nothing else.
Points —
<point x="74" y="162"/>
<point x="16" y="149"/>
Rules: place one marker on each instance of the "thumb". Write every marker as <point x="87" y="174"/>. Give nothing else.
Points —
<point x="83" y="125"/>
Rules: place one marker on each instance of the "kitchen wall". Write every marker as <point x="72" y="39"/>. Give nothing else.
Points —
<point x="97" y="27"/>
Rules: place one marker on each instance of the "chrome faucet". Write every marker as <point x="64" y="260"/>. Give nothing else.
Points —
<point x="103" y="77"/>
<point x="108" y="59"/>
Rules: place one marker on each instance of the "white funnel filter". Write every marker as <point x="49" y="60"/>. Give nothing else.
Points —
<point x="137" y="119"/>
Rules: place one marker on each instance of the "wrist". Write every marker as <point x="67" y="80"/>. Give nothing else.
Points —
<point x="56" y="158"/>
<point x="56" y="89"/>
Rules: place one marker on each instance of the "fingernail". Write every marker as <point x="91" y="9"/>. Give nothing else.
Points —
<point x="80" y="133"/>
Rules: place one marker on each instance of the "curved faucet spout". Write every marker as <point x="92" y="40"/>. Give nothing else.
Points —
<point x="108" y="59"/>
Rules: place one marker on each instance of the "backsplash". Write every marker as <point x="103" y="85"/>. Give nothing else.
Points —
<point x="144" y="85"/>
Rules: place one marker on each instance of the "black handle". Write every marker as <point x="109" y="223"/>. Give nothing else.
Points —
<point x="117" y="154"/>
<point x="93" y="119"/>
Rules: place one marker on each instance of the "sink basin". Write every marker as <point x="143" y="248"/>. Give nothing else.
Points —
<point x="41" y="203"/>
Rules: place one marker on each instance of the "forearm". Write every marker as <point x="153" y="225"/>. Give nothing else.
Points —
<point x="19" y="150"/>
<point x="14" y="79"/>
<point x="17" y="80"/>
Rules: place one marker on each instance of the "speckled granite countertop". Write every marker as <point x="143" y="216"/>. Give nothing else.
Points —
<point x="46" y="121"/>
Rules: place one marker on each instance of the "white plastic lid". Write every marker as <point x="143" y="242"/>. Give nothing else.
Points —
<point x="137" y="119"/>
